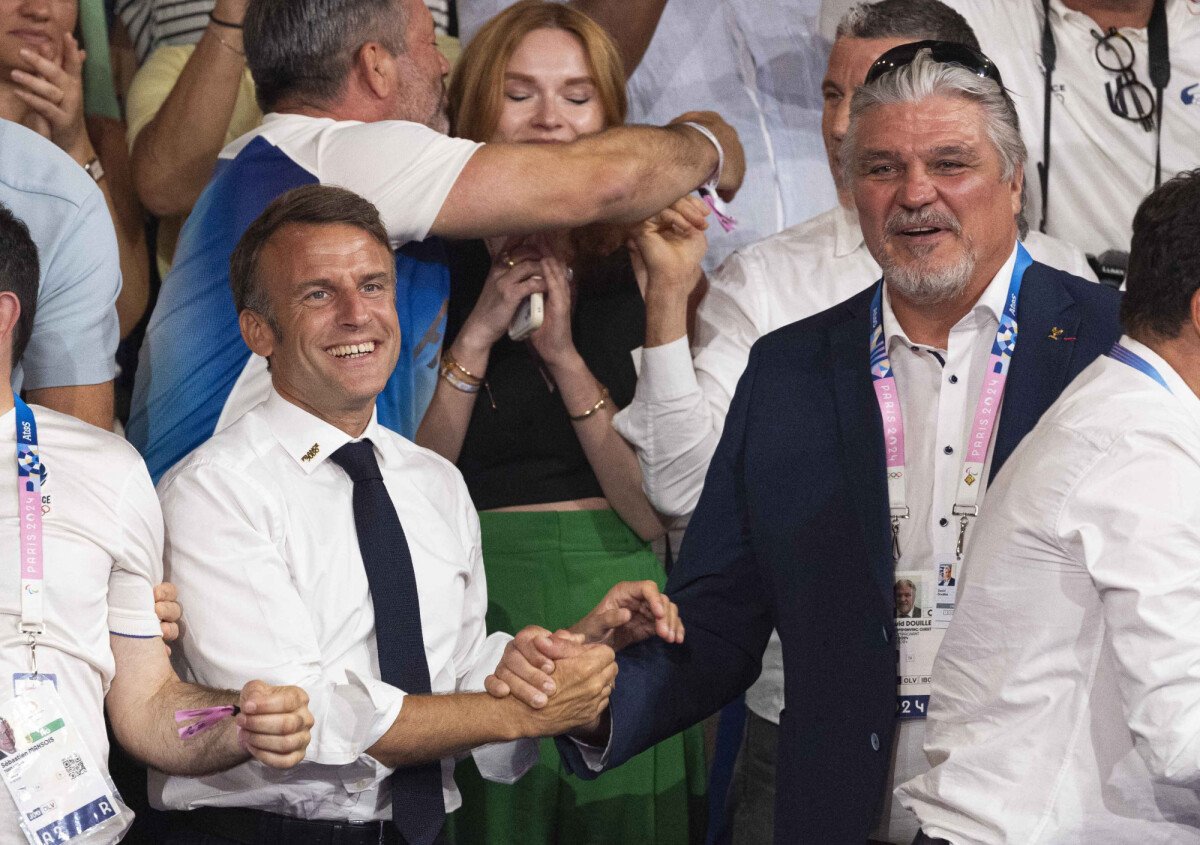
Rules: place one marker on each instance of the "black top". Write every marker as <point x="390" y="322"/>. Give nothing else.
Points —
<point x="524" y="451"/>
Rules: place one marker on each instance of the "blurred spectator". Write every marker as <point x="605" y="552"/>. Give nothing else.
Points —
<point x="41" y="87"/>
<point x="759" y="64"/>
<point x="68" y="365"/>
<point x="528" y="422"/>
<point x="191" y="97"/>
<point x="1114" y="134"/>
<point x="370" y="118"/>
<point x="683" y="395"/>
<point x="186" y="103"/>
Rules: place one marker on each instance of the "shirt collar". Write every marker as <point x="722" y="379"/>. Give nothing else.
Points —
<point x="307" y="438"/>
<point x="1179" y="388"/>
<point x="847" y="234"/>
<point x="989" y="306"/>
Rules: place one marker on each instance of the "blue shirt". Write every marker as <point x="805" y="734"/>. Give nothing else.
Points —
<point x="75" y="332"/>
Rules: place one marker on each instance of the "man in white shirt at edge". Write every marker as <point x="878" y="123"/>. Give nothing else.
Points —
<point x="102" y="532"/>
<point x="262" y="543"/>
<point x="1066" y="705"/>
<point x="678" y="411"/>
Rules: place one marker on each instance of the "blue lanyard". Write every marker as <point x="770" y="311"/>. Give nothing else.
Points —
<point x="1132" y="359"/>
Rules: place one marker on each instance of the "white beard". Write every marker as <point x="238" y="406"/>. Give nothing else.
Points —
<point x="926" y="286"/>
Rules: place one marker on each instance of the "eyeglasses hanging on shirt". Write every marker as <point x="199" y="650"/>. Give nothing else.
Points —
<point x="1128" y="98"/>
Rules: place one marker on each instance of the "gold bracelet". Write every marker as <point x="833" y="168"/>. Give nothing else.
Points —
<point x="449" y="363"/>
<point x="458" y="383"/>
<point x="600" y="403"/>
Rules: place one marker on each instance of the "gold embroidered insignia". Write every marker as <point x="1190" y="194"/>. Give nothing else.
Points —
<point x="311" y="453"/>
<point x="1056" y="333"/>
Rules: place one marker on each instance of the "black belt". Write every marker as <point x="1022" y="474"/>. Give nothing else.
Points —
<point x="922" y="839"/>
<point x="258" y="827"/>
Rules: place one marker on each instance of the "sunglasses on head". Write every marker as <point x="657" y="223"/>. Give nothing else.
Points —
<point x="945" y="52"/>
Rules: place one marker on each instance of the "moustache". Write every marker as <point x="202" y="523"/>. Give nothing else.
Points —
<point x="900" y="220"/>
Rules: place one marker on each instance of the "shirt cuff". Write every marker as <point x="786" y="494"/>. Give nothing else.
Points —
<point x="594" y="758"/>
<point x="350" y="718"/>
<point x="666" y="373"/>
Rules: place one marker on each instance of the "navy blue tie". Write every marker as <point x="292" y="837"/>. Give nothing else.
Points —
<point x="418" y="810"/>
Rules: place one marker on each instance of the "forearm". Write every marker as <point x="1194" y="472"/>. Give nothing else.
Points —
<point x="92" y="403"/>
<point x="624" y="174"/>
<point x="431" y="727"/>
<point x="149" y="733"/>
<point x="612" y="459"/>
<point x="630" y="25"/>
<point x="106" y="141"/>
<point x="444" y="426"/>
<point x="174" y="155"/>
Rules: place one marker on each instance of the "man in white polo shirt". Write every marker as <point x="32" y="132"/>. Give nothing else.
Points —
<point x="1102" y="160"/>
<point x="78" y="631"/>
<point x="1066" y="702"/>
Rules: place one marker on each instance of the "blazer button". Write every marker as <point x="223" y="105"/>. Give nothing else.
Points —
<point x="875" y="742"/>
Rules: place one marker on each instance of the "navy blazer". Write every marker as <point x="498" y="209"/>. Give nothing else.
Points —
<point x="792" y="532"/>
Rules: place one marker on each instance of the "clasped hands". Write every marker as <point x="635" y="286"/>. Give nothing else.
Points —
<point x="565" y="677"/>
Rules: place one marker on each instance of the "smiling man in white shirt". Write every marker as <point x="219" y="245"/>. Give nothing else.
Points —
<point x="286" y="535"/>
<point x="1066" y="704"/>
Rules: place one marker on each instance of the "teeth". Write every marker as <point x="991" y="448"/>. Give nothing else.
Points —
<point x="351" y="349"/>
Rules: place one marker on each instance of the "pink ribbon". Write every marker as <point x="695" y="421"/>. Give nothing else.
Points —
<point x="207" y="717"/>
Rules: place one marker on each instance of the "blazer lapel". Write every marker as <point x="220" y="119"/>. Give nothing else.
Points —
<point x="862" y="438"/>
<point x="1048" y="320"/>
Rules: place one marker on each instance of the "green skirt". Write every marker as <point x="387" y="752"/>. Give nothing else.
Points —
<point x="551" y="569"/>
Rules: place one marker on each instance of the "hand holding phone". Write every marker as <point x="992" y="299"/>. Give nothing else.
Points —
<point x="528" y="318"/>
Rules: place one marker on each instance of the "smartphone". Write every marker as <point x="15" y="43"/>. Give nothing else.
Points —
<point x="528" y="318"/>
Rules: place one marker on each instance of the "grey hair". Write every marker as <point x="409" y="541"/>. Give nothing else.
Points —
<point x="925" y="77"/>
<point x="914" y="20"/>
<point x="304" y="49"/>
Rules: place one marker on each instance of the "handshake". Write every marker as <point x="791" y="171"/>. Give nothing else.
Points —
<point x="560" y="682"/>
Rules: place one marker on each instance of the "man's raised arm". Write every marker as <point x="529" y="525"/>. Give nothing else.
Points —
<point x="624" y="175"/>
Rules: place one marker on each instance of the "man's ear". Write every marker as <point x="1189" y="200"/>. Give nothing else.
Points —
<point x="257" y="332"/>
<point x="1018" y="189"/>
<point x="374" y="66"/>
<point x="1195" y="311"/>
<point x="10" y="314"/>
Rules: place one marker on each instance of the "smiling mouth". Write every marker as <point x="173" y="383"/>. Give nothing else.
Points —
<point x="352" y="350"/>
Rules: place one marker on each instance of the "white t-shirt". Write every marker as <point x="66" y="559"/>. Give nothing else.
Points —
<point x="103" y="540"/>
<point x="1101" y="165"/>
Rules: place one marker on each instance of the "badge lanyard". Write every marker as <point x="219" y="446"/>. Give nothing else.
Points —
<point x="1128" y="356"/>
<point x="983" y="425"/>
<point x="30" y="473"/>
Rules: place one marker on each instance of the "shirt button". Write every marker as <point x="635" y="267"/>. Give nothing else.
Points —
<point x="875" y="742"/>
<point x="943" y="522"/>
<point x="954" y="379"/>
<point x="949" y="450"/>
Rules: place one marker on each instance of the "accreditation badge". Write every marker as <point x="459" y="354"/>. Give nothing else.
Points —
<point x="61" y="793"/>
<point x="917" y="641"/>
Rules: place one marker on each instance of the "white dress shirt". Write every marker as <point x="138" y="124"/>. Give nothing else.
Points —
<point x="1101" y="165"/>
<point x="1066" y="700"/>
<point x="760" y="65"/>
<point x="102" y="535"/>
<point x="262" y="545"/>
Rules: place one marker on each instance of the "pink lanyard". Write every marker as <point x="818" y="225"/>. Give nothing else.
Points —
<point x="983" y="426"/>
<point x="30" y="474"/>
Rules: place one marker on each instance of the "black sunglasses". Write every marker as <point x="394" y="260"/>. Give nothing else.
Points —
<point x="945" y="52"/>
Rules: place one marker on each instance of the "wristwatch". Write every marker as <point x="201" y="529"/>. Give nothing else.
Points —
<point x="95" y="169"/>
